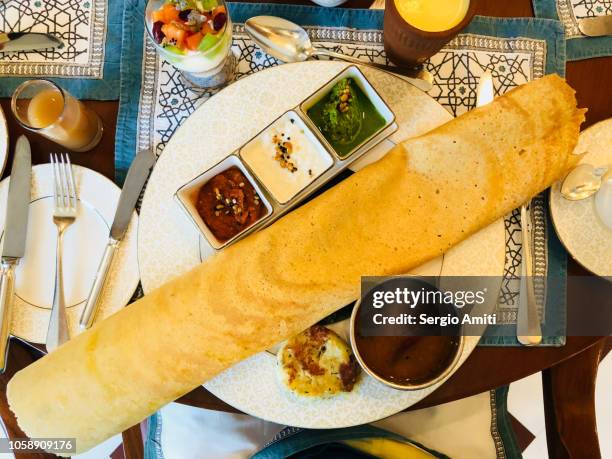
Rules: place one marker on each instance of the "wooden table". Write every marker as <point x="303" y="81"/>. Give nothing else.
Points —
<point x="569" y="371"/>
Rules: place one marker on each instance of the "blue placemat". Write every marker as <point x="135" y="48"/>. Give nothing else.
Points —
<point x="155" y="101"/>
<point x="568" y="12"/>
<point x="88" y="63"/>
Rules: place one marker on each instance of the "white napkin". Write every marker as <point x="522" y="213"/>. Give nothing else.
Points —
<point x="460" y="429"/>
<point x="195" y="433"/>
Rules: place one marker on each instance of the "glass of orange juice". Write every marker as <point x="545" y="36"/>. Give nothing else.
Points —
<point x="45" y="108"/>
<point x="415" y="30"/>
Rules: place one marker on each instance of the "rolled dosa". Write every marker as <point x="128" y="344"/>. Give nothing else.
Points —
<point x="425" y="196"/>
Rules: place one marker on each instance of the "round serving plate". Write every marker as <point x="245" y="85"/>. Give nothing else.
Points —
<point x="84" y="243"/>
<point x="579" y="227"/>
<point x="220" y="126"/>
<point x="3" y="141"/>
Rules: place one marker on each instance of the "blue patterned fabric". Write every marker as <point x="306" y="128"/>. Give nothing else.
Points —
<point x="568" y="12"/>
<point x="88" y="65"/>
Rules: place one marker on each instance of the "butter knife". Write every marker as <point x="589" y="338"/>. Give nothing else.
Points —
<point x="528" y="329"/>
<point x="598" y="26"/>
<point x="15" y="230"/>
<point x="134" y="183"/>
<point x="28" y="41"/>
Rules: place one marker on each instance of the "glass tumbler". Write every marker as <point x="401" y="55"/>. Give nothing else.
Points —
<point x="407" y="44"/>
<point x="195" y="36"/>
<point x="43" y="107"/>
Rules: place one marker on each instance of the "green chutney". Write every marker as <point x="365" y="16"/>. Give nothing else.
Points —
<point x="346" y="116"/>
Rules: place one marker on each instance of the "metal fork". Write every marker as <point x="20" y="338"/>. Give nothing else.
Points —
<point x="64" y="214"/>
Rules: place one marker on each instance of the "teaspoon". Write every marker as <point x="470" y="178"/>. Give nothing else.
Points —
<point x="582" y="182"/>
<point x="288" y="42"/>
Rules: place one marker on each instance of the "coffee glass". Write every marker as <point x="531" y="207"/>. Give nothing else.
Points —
<point x="43" y="107"/>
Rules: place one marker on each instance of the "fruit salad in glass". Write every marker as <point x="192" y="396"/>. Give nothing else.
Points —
<point x="193" y="35"/>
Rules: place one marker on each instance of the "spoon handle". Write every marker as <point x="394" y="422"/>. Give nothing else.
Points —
<point x="418" y="77"/>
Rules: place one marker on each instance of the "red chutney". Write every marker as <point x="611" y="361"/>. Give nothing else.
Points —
<point x="228" y="204"/>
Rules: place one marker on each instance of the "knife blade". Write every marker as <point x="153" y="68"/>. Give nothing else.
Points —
<point x="27" y="41"/>
<point x="134" y="183"/>
<point x="596" y="27"/>
<point x="15" y="231"/>
<point x="485" y="92"/>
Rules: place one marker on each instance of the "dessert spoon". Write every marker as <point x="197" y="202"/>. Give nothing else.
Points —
<point x="288" y="42"/>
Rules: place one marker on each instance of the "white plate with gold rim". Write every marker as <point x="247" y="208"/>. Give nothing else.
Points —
<point x="84" y="243"/>
<point x="3" y="141"/>
<point x="578" y="226"/>
<point x="220" y="126"/>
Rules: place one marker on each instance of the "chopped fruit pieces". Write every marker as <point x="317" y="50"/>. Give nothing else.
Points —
<point x="219" y="21"/>
<point x="194" y="40"/>
<point x="166" y="14"/>
<point x="192" y="25"/>
<point x="174" y="32"/>
<point x="184" y="15"/>
<point x="158" y="35"/>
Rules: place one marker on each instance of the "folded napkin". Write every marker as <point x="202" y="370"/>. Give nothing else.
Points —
<point x="155" y="100"/>
<point x="88" y="63"/>
<point x="179" y="432"/>
<point x="569" y="12"/>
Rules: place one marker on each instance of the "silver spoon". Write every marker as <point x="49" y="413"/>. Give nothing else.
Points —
<point x="288" y="42"/>
<point x="582" y="182"/>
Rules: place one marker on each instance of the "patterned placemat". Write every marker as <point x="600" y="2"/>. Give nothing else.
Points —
<point x="88" y="63"/>
<point x="569" y="12"/>
<point x="155" y="100"/>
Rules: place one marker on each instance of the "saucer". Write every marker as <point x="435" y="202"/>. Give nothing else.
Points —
<point x="577" y="223"/>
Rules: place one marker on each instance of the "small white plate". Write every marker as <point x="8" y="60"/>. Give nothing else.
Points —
<point x="579" y="227"/>
<point x="3" y="141"/>
<point x="84" y="243"/>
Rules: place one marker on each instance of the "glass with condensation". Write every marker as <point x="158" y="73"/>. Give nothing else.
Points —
<point x="43" y="107"/>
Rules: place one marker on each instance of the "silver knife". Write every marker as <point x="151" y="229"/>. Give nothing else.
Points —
<point x="598" y="26"/>
<point x="134" y="183"/>
<point x="28" y="41"/>
<point x="485" y="92"/>
<point x="15" y="230"/>
<point x="528" y="328"/>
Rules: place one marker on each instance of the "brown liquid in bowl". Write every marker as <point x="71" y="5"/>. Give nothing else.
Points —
<point x="407" y="360"/>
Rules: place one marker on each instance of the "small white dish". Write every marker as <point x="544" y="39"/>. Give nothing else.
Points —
<point x="84" y="243"/>
<point x="309" y="156"/>
<point x="187" y="196"/>
<point x="578" y="225"/>
<point x="371" y="93"/>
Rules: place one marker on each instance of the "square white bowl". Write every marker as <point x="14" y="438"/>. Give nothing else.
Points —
<point x="367" y="88"/>
<point x="187" y="196"/>
<point x="323" y="153"/>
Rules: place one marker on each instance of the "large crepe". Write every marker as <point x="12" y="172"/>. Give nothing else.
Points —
<point x="425" y="196"/>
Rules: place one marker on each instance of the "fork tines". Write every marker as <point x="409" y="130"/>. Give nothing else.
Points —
<point x="64" y="190"/>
